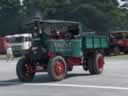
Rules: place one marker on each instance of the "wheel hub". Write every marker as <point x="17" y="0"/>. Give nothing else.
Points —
<point x="59" y="68"/>
<point x="100" y="63"/>
<point x="27" y="70"/>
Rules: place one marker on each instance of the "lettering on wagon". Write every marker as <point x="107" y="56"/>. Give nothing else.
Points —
<point x="63" y="45"/>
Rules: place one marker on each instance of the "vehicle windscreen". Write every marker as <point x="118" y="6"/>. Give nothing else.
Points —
<point x="116" y="36"/>
<point x="27" y="38"/>
<point x="15" y="39"/>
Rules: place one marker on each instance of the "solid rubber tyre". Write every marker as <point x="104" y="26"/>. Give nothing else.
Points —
<point x="95" y="63"/>
<point x="116" y="50"/>
<point x="22" y="71"/>
<point x="57" y="68"/>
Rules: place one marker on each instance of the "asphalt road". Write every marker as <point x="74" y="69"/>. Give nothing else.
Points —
<point x="113" y="81"/>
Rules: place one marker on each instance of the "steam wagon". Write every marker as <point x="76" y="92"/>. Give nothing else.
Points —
<point x="58" y="46"/>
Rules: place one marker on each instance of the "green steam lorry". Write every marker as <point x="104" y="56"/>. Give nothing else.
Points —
<point x="58" y="46"/>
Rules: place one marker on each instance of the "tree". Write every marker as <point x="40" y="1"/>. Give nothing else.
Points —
<point x="91" y="13"/>
<point x="9" y="16"/>
<point x="85" y="11"/>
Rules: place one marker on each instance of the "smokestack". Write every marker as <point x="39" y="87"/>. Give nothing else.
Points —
<point x="38" y="14"/>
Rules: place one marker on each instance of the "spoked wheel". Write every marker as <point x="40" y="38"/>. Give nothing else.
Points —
<point x="100" y="62"/>
<point x="24" y="71"/>
<point x="96" y="63"/>
<point x="57" y="68"/>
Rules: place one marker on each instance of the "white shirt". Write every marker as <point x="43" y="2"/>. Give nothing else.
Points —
<point x="9" y="51"/>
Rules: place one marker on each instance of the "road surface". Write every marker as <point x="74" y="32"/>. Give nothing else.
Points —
<point x="113" y="81"/>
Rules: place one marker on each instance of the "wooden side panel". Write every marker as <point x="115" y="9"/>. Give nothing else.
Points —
<point x="90" y="42"/>
<point x="66" y="47"/>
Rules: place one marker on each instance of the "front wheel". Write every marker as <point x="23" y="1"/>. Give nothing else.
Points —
<point x="57" y="68"/>
<point x="95" y="63"/>
<point x="24" y="71"/>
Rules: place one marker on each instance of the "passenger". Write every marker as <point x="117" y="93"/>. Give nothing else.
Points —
<point x="74" y="31"/>
<point x="68" y="35"/>
<point x="61" y="36"/>
<point x="53" y="34"/>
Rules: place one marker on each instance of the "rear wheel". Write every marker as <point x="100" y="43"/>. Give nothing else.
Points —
<point x="57" y="68"/>
<point x="70" y="68"/>
<point x="24" y="71"/>
<point x="116" y="50"/>
<point x="126" y="52"/>
<point x="85" y="65"/>
<point x="95" y="63"/>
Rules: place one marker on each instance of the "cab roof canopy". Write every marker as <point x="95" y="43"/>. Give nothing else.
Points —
<point x="55" y="25"/>
<point x="53" y="21"/>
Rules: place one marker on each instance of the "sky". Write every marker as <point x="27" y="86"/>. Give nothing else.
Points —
<point x="121" y="2"/>
<point x="21" y="2"/>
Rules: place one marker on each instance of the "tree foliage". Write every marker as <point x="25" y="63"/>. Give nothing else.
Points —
<point x="9" y="16"/>
<point x="92" y="13"/>
<point x="95" y="15"/>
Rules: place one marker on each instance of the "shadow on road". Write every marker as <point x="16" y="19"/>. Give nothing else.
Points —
<point x="72" y="75"/>
<point x="46" y="79"/>
<point x="38" y="79"/>
<point x="11" y="82"/>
